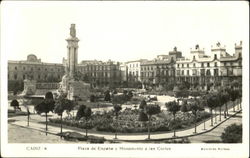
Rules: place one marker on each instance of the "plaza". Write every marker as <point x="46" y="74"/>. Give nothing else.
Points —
<point x="114" y="107"/>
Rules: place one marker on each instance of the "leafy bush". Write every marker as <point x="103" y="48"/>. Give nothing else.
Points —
<point x="232" y="134"/>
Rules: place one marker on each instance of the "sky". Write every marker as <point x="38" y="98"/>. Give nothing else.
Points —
<point x="120" y="31"/>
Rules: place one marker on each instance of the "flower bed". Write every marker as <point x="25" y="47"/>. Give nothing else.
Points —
<point x="127" y="122"/>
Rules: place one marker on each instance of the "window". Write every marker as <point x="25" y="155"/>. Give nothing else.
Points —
<point x="202" y="64"/>
<point x="194" y="72"/>
<point x="23" y="68"/>
<point x="182" y="65"/>
<point x="202" y="72"/>
<point x="215" y="64"/>
<point x="188" y="72"/>
<point x="187" y="65"/>
<point x="23" y="77"/>
<point x="39" y="69"/>
<point x="193" y="57"/>
<point x="182" y="72"/>
<point x="15" y="68"/>
<point x="15" y="76"/>
<point x="31" y="68"/>
<point x="178" y="72"/>
<point x="216" y="72"/>
<point x="193" y="64"/>
<point x="45" y="69"/>
<point x="208" y="73"/>
<point x="178" y="65"/>
<point x="215" y="56"/>
<point x="208" y="64"/>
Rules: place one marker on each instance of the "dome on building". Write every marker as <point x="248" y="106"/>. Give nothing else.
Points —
<point x="32" y="58"/>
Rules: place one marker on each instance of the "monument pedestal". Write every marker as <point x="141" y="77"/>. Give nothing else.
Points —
<point x="78" y="89"/>
<point x="74" y="89"/>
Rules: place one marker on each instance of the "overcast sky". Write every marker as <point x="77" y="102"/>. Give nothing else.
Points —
<point x="120" y="31"/>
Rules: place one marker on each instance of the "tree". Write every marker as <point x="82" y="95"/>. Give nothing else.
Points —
<point x="117" y="101"/>
<point x="46" y="106"/>
<point x="240" y="96"/>
<point x="184" y="107"/>
<point x="143" y="104"/>
<point x="88" y="113"/>
<point x="117" y="109"/>
<point x="61" y="104"/>
<point x="211" y="103"/>
<point x="232" y="134"/>
<point x="85" y="112"/>
<point x="173" y="107"/>
<point x="220" y="102"/>
<point x="194" y="107"/>
<point x="151" y="109"/>
<point x="233" y="96"/>
<point x="92" y="98"/>
<point x="202" y="105"/>
<point x="107" y="96"/>
<point x="224" y="99"/>
<point x="15" y="104"/>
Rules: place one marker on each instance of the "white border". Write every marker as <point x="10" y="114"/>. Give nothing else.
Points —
<point x="177" y="150"/>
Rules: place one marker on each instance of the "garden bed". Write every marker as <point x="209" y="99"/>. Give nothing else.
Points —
<point x="127" y="122"/>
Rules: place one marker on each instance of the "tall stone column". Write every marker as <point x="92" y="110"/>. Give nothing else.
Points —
<point x="72" y="52"/>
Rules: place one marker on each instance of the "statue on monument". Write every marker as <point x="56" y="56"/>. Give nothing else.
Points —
<point x="72" y="30"/>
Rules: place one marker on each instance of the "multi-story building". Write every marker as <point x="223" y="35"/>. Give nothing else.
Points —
<point x="160" y="70"/>
<point x="100" y="73"/>
<point x="97" y="73"/>
<point x="134" y="70"/>
<point x="205" y="71"/>
<point x="208" y="71"/>
<point x="34" y="69"/>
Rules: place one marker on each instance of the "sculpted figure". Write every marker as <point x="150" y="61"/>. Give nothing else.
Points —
<point x="72" y="30"/>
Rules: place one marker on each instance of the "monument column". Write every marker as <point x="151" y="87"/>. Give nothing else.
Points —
<point x="72" y="51"/>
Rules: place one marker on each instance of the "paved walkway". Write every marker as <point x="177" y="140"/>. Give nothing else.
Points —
<point x="131" y="137"/>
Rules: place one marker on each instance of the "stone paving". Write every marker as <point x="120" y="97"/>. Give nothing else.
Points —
<point x="131" y="137"/>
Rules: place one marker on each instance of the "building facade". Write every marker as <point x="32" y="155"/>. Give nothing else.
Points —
<point x="205" y="72"/>
<point x="34" y="69"/>
<point x="161" y="70"/>
<point x="134" y="70"/>
<point x="101" y="74"/>
<point x="201" y="71"/>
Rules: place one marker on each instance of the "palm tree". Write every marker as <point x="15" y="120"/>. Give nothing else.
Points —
<point x="173" y="107"/>
<point x="62" y="103"/>
<point x="46" y="106"/>
<point x="151" y="109"/>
